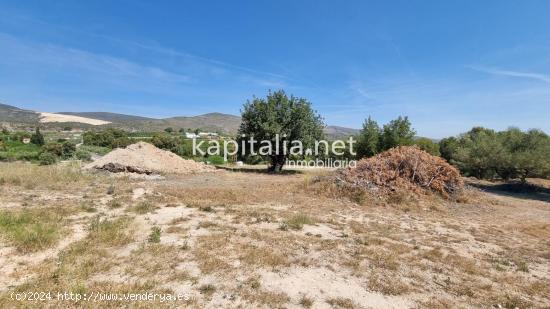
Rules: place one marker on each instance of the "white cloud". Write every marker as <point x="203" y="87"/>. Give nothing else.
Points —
<point x="529" y="75"/>
<point x="25" y="53"/>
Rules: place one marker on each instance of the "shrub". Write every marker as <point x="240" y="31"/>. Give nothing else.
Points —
<point x="154" y="237"/>
<point x="297" y="222"/>
<point x="164" y="141"/>
<point x="47" y="158"/>
<point x="185" y="149"/>
<point x="108" y="138"/>
<point x="67" y="149"/>
<point x="216" y="160"/>
<point x="253" y="160"/>
<point x="121" y="142"/>
<point x="53" y="148"/>
<point x="63" y="150"/>
<point x="83" y="155"/>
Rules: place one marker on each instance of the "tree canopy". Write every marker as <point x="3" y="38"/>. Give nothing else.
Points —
<point x="290" y="118"/>
<point x="372" y="139"/>
<point x="37" y="138"/>
<point x="368" y="141"/>
<point x="398" y="132"/>
<point x="485" y="153"/>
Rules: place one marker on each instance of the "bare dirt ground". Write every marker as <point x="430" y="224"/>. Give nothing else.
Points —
<point x="237" y="239"/>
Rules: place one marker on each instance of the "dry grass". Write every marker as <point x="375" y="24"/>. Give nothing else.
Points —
<point x="387" y="284"/>
<point x="157" y="262"/>
<point x="261" y="256"/>
<point x="305" y="301"/>
<point x="109" y="232"/>
<point x="143" y="207"/>
<point x="297" y="222"/>
<point x="34" y="229"/>
<point x="217" y="236"/>
<point x="265" y="298"/>
<point x="210" y="252"/>
<point x="30" y="176"/>
<point x="341" y="302"/>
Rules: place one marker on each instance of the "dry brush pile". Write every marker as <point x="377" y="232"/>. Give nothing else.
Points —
<point x="405" y="169"/>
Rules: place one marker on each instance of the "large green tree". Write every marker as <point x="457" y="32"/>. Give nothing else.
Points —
<point x="447" y="147"/>
<point x="397" y="132"/>
<point x="478" y="151"/>
<point x="368" y="139"/>
<point x="532" y="157"/>
<point x="512" y="153"/>
<point x="290" y="118"/>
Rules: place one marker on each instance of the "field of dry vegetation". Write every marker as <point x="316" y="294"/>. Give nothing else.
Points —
<point x="241" y="239"/>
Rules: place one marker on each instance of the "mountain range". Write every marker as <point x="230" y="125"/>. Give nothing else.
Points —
<point x="215" y="122"/>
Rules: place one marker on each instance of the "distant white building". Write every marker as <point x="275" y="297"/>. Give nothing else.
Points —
<point x="208" y="134"/>
<point x="190" y="135"/>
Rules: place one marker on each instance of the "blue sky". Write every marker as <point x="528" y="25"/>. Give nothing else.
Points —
<point x="448" y="65"/>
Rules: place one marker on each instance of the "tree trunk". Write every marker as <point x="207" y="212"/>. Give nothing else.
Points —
<point x="277" y="163"/>
<point x="523" y="177"/>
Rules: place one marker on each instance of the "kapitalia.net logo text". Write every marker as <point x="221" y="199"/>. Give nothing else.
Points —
<point x="276" y="146"/>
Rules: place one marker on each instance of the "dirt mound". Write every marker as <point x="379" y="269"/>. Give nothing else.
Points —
<point x="406" y="169"/>
<point x="144" y="158"/>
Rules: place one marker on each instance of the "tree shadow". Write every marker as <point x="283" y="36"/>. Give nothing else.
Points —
<point x="516" y="189"/>
<point x="257" y="170"/>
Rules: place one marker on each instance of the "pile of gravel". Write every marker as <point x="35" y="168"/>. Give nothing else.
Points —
<point x="144" y="158"/>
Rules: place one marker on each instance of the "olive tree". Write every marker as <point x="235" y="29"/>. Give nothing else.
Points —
<point x="531" y="158"/>
<point x="281" y="117"/>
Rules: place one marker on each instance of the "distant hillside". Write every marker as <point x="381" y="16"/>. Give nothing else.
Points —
<point x="217" y="122"/>
<point x="336" y="132"/>
<point x="111" y="117"/>
<point x="214" y="122"/>
<point x="13" y="114"/>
